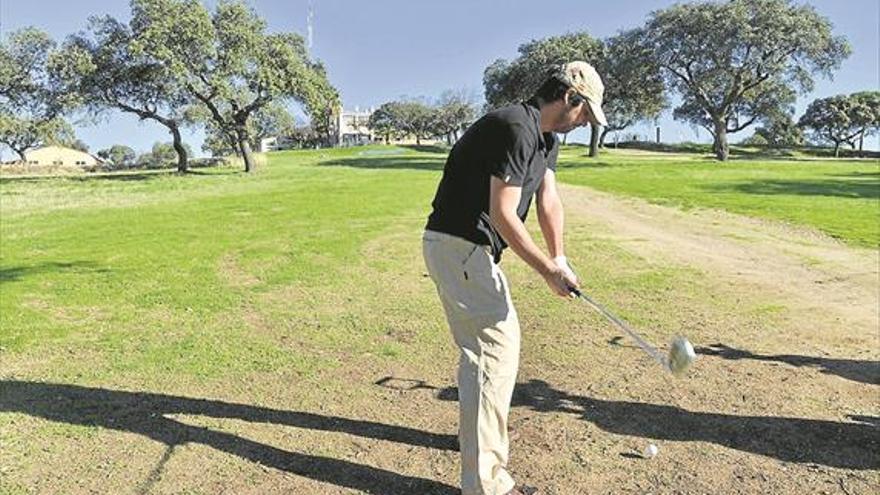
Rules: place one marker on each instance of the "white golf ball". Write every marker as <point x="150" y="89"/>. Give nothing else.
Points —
<point x="651" y="450"/>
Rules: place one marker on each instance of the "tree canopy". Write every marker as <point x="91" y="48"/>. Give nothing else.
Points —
<point x="32" y="102"/>
<point x="733" y="62"/>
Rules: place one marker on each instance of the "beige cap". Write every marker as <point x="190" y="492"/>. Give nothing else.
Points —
<point x="583" y="78"/>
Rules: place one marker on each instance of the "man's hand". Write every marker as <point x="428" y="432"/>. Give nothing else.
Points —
<point x="560" y="282"/>
<point x="562" y="263"/>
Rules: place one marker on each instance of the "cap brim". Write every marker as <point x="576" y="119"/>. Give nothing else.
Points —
<point x="598" y="114"/>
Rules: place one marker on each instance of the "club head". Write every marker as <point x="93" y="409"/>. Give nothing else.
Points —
<point x="681" y="355"/>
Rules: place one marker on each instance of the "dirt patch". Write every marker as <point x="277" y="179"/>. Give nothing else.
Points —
<point x="814" y="275"/>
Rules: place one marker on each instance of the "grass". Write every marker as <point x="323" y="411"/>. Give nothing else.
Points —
<point x="838" y="197"/>
<point x="141" y="265"/>
<point x="304" y="281"/>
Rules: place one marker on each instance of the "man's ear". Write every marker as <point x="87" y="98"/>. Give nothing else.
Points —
<point x="573" y="98"/>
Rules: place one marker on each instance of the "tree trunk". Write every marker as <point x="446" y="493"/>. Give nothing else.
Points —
<point x="861" y="141"/>
<point x="181" y="151"/>
<point x="418" y="140"/>
<point x="565" y="138"/>
<point x="20" y="153"/>
<point x="605" y="131"/>
<point x="246" y="154"/>
<point x="836" y="149"/>
<point x="722" y="150"/>
<point x="594" y="140"/>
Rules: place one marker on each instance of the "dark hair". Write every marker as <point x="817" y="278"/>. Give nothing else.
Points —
<point x="553" y="89"/>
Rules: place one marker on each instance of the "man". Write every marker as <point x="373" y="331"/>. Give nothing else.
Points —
<point x="492" y="172"/>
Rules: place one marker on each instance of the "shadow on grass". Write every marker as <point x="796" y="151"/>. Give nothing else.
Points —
<point x="15" y="273"/>
<point x="428" y="148"/>
<point x="858" y="370"/>
<point x="149" y="414"/>
<point x="840" y="445"/>
<point x="123" y="176"/>
<point x="858" y="186"/>
<point x="388" y="162"/>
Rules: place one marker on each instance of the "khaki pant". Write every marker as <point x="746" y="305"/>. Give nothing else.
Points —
<point x="484" y="324"/>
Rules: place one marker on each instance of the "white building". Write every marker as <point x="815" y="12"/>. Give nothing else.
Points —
<point x="350" y="128"/>
<point x="60" y="156"/>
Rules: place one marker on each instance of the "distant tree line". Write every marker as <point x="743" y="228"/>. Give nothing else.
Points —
<point x="176" y="63"/>
<point x="732" y="64"/>
<point x="446" y="118"/>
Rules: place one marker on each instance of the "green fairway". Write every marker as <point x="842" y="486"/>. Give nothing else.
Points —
<point x="153" y="268"/>
<point x="838" y="197"/>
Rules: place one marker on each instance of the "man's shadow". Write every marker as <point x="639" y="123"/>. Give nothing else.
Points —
<point x="853" y="445"/>
<point x="146" y="414"/>
<point x="859" y="370"/>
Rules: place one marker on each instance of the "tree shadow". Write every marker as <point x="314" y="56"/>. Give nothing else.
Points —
<point x="859" y="370"/>
<point x="107" y="176"/>
<point x="428" y="148"/>
<point x="125" y="175"/>
<point x="147" y="414"/>
<point x="840" y="445"/>
<point x="15" y="273"/>
<point x="859" y="186"/>
<point x="388" y="162"/>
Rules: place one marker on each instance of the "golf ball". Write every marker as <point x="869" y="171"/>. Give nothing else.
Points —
<point x="651" y="450"/>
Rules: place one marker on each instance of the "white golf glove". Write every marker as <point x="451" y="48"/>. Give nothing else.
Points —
<point x="562" y="263"/>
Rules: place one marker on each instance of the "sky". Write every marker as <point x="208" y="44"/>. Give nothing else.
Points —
<point x="381" y="50"/>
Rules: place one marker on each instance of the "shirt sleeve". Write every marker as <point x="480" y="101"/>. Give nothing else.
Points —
<point x="510" y="160"/>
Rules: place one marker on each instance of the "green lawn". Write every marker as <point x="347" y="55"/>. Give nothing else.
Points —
<point x="298" y="286"/>
<point x="159" y="273"/>
<point x="838" y="197"/>
<point x="141" y="264"/>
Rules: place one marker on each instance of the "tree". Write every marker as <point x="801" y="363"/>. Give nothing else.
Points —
<point x="780" y="131"/>
<point x="836" y="119"/>
<point x="453" y="113"/>
<point x="162" y="155"/>
<point x="866" y="113"/>
<point x="229" y="63"/>
<point x="119" y="155"/>
<point x="270" y="121"/>
<point x="79" y="145"/>
<point x="384" y="121"/>
<point x="507" y="83"/>
<point x="404" y="118"/>
<point x="31" y="100"/>
<point x="726" y="59"/>
<point x="633" y="84"/>
<point x="106" y="68"/>
<point x="634" y="88"/>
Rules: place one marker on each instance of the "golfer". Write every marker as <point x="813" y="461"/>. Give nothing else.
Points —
<point x="502" y="161"/>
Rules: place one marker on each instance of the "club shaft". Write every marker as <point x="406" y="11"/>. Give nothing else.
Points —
<point x="648" y="348"/>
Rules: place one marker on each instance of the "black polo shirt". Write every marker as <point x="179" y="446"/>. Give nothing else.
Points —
<point x="506" y="143"/>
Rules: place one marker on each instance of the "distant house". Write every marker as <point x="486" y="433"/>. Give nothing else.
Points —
<point x="60" y="156"/>
<point x="350" y="128"/>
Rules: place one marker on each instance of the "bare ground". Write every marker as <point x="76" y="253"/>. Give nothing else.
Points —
<point x="784" y="398"/>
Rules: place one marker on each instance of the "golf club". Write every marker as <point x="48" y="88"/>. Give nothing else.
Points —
<point x="681" y="352"/>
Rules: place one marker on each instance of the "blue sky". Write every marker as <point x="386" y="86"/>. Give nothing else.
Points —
<point x="380" y="50"/>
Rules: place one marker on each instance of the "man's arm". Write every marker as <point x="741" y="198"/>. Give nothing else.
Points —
<point x="503" y="201"/>
<point x="550" y="214"/>
<point x="551" y="218"/>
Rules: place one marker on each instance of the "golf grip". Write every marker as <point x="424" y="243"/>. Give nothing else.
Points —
<point x="648" y="348"/>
